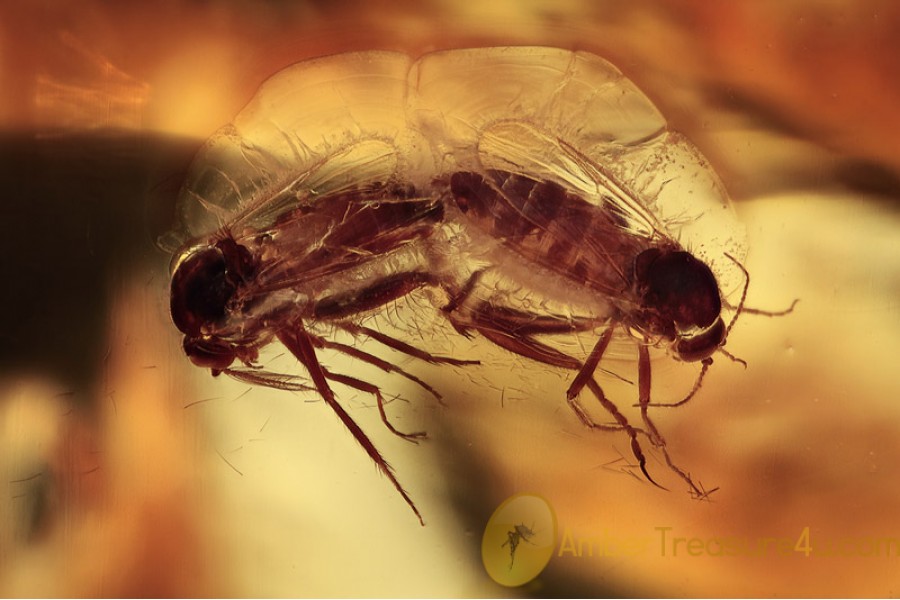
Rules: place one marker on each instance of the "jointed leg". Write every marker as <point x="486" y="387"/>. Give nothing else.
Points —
<point x="370" y="388"/>
<point x="499" y="326"/>
<point x="289" y="383"/>
<point x="276" y="381"/>
<point x="400" y="346"/>
<point x="590" y="365"/>
<point x="586" y="377"/>
<point x="379" y="363"/>
<point x="513" y="330"/>
<point x="644" y="384"/>
<point x="299" y="342"/>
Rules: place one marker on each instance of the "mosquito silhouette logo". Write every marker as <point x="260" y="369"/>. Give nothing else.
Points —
<point x="521" y="519"/>
<point x="514" y="537"/>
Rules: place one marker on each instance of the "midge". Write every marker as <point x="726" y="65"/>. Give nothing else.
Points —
<point x="537" y="189"/>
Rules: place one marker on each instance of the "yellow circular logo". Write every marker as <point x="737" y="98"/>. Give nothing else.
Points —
<point x="519" y="540"/>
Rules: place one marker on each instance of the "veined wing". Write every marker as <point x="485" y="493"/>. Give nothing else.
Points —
<point x="354" y="230"/>
<point x="575" y="119"/>
<point x="579" y="97"/>
<point x="316" y="128"/>
<point x="521" y="148"/>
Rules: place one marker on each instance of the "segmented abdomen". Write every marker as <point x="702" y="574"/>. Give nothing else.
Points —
<point x="550" y="226"/>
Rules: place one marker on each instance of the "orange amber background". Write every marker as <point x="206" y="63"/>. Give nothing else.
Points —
<point x="141" y="475"/>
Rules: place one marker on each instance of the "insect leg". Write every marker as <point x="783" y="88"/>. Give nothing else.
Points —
<point x="590" y="365"/>
<point x="289" y="383"/>
<point x="644" y="384"/>
<point x="379" y="363"/>
<point x="625" y="425"/>
<point x="513" y="330"/>
<point x="365" y="386"/>
<point x="399" y="346"/>
<point x="586" y="377"/>
<point x="498" y="325"/>
<point x="299" y="342"/>
<point x="697" y="383"/>
<point x="276" y="381"/>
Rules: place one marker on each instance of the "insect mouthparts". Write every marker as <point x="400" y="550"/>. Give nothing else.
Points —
<point x="700" y="344"/>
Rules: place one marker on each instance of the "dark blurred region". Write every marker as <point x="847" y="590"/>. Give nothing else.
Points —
<point x="81" y="211"/>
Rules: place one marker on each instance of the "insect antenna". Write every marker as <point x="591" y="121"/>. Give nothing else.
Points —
<point x="772" y="313"/>
<point x="754" y="311"/>
<point x="748" y="310"/>
<point x="740" y="306"/>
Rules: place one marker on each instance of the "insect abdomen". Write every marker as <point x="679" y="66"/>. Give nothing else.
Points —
<point x="547" y="224"/>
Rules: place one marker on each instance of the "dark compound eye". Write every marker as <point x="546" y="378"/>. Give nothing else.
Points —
<point x="200" y="291"/>
<point x="682" y="289"/>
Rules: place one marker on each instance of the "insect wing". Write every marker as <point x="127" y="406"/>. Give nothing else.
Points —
<point x="573" y="118"/>
<point x="316" y="128"/>
<point x="662" y="189"/>
<point x="518" y="147"/>
<point x="579" y="97"/>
